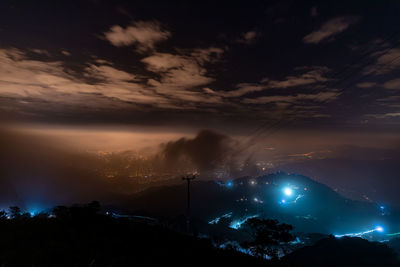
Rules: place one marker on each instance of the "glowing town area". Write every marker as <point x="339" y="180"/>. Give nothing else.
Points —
<point x="309" y="206"/>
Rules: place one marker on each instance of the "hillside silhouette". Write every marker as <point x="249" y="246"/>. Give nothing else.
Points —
<point x="317" y="208"/>
<point x="344" y="251"/>
<point x="79" y="236"/>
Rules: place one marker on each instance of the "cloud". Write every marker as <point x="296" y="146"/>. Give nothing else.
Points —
<point x="366" y="84"/>
<point x="390" y="101"/>
<point x="143" y="34"/>
<point x="387" y="60"/>
<point x="210" y="153"/>
<point x="206" y="151"/>
<point x="392" y="84"/>
<point x="65" y="53"/>
<point x="176" y="81"/>
<point x="330" y="28"/>
<point x="385" y="115"/>
<point x="104" y="72"/>
<point x="248" y="37"/>
<point x="179" y="74"/>
<point x="50" y="81"/>
<point x="315" y="75"/>
<point x="298" y="98"/>
<point x="41" y="52"/>
<point x="394" y="114"/>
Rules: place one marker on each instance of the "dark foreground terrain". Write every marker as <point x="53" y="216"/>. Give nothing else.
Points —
<point x="79" y="236"/>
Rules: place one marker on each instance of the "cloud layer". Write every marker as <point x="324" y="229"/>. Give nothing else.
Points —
<point x="329" y="29"/>
<point x="142" y="34"/>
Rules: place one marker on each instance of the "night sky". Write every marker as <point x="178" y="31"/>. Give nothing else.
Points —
<point x="308" y="86"/>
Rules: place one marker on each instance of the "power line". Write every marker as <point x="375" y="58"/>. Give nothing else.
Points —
<point x="276" y="124"/>
<point x="188" y="179"/>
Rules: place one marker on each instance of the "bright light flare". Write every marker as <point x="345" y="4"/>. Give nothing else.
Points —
<point x="379" y="229"/>
<point x="288" y="191"/>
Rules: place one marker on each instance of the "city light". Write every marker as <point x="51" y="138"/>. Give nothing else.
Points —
<point x="288" y="191"/>
<point x="379" y="229"/>
<point x="238" y="223"/>
<point x="216" y="220"/>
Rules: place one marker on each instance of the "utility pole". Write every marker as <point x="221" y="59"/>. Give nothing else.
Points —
<point x="188" y="179"/>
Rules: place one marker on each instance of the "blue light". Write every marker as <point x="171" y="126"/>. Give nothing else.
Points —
<point x="288" y="191"/>
<point x="382" y="207"/>
<point x="283" y="201"/>
<point x="377" y="229"/>
<point x="238" y="223"/>
<point x="229" y="184"/>
<point x="216" y="220"/>
<point x="33" y="212"/>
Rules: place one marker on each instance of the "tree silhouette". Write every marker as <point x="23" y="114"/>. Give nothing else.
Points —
<point x="224" y="222"/>
<point x="3" y="215"/>
<point x="14" y="212"/>
<point x="267" y="235"/>
<point x="345" y="251"/>
<point x="93" y="207"/>
<point x="61" y="212"/>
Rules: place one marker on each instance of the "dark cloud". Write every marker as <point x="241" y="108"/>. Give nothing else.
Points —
<point x="208" y="151"/>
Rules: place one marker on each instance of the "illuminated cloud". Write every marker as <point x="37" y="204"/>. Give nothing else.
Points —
<point x="41" y="52"/>
<point x="104" y="84"/>
<point x="392" y="84"/>
<point x="313" y="76"/>
<point x="395" y="114"/>
<point x="181" y="73"/>
<point x="65" y="53"/>
<point x="105" y="72"/>
<point x="366" y="84"/>
<point x="387" y="61"/>
<point x="329" y="29"/>
<point x="299" y="98"/>
<point x="48" y="80"/>
<point x="143" y="34"/>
